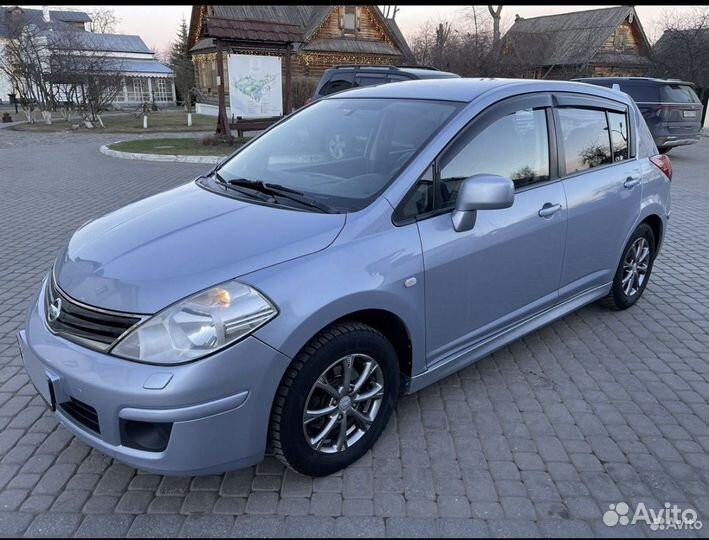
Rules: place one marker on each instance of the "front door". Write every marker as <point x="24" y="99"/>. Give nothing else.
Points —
<point x="508" y="266"/>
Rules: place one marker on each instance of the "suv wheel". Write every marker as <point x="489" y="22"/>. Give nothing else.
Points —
<point x="634" y="269"/>
<point x="335" y="399"/>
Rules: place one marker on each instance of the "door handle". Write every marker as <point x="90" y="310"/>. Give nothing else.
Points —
<point x="631" y="182"/>
<point x="549" y="210"/>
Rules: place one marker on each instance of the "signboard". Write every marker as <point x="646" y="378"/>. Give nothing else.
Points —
<point x="255" y="87"/>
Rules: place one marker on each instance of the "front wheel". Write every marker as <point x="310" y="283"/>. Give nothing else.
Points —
<point x="335" y="399"/>
<point x="634" y="269"/>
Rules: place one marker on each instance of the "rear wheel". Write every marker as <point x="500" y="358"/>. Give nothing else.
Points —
<point x="335" y="399"/>
<point x="634" y="269"/>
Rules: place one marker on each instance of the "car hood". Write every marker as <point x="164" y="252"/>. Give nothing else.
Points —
<point x="151" y="253"/>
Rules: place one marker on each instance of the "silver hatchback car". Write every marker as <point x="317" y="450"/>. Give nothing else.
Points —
<point x="285" y="299"/>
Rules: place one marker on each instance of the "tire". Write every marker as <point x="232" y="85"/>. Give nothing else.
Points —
<point x="665" y="150"/>
<point x="622" y="295"/>
<point x="327" y="355"/>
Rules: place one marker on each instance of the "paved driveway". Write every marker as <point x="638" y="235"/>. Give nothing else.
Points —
<point x="598" y="408"/>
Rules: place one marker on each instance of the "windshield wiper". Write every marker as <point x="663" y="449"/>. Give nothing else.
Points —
<point x="229" y="185"/>
<point x="283" y="191"/>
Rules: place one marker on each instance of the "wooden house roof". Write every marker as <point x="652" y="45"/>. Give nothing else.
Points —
<point x="566" y="38"/>
<point x="282" y="24"/>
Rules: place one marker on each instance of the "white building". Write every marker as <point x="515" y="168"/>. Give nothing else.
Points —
<point x="146" y="79"/>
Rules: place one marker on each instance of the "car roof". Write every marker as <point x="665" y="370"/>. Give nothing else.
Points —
<point x="468" y="89"/>
<point x="422" y="72"/>
<point x="640" y="79"/>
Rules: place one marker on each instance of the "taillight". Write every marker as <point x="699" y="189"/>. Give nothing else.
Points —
<point x="664" y="163"/>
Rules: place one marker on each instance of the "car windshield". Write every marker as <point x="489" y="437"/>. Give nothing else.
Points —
<point x="341" y="152"/>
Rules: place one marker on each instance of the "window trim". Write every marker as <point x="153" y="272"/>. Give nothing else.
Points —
<point x="598" y="105"/>
<point x="610" y="135"/>
<point x="472" y="128"/>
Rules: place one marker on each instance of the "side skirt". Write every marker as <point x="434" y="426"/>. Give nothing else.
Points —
<point x="487" y="346"/>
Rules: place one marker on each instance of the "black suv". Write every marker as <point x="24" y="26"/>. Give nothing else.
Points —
<point x="670" y="107"/>
<point x="343" y="77"/>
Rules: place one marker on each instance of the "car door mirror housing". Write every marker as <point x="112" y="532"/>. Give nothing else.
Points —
<point x="481" y="192"/>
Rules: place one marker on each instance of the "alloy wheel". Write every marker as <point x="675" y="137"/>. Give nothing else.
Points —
<point x="635" y="266"/>
<point x="343" y="403"/>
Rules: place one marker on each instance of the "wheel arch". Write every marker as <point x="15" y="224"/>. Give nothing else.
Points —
<point x="657" y="226"/>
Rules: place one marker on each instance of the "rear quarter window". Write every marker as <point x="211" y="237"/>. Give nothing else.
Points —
<point x="678" y="93"/>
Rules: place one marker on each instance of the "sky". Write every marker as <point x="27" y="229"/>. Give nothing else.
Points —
<point x="157" y="25"/>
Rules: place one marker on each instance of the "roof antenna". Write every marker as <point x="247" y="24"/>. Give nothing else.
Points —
<point x="616" y="87"/>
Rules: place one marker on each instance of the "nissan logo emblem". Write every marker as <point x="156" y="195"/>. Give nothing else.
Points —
<point x="55" y="309"/>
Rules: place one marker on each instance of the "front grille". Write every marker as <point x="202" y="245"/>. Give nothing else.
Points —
<point x="92" y="327"/>
<point x="82" y="413"/>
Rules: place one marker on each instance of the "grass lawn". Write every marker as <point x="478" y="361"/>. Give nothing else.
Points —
<point x="191" y="147"/>
<point x="128" y="123"/>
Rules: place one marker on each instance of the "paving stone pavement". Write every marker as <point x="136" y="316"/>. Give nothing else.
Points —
<point x="537" y="439"/>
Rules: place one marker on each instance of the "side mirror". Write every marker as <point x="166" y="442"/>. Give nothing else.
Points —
<point x="481" y="192"/>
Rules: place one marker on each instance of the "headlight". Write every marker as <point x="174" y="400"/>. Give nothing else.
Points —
<point x="198" y="325"/>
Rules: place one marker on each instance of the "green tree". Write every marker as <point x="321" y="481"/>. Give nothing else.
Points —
<point x="181" y="64"/>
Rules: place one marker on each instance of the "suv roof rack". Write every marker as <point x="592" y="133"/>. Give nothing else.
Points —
<point x="360" y="66"/>
<point x="431" y="68"/>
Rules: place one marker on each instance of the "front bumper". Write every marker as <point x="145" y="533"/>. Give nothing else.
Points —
<point x="218" y="408"/>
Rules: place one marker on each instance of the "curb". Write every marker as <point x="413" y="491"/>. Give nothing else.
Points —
<point x="179" y="158"/>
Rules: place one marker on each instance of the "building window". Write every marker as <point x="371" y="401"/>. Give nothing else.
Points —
<point x="162" y="90"/>
<point x="349" y="25"/>
<point x="137" y="90"/>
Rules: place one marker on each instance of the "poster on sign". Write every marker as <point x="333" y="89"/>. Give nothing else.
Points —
<point x="255" y="88"/>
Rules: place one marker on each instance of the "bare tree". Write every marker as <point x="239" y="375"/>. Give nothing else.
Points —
<point x="462" y="46"/>
<point x="682" y="52"/>
<point x="495" y="13"/>
<point x="51" y="69"/>
<point x="103" y="21"/>
<point x="88" y="80"/>
<point x="24" y="60"/>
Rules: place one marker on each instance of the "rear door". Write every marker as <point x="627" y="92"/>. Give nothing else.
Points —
<point x="602" y="181"/>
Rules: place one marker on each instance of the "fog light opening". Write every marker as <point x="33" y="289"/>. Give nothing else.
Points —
<point x="147" y="436"/>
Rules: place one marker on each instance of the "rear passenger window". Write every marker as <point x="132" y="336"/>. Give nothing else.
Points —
<point x="678" y="93"/>
<point x="335" y="86"/>
<point x="515" y="146"/>
<point x="641" y="93"/>
<point x="584" y="134"/>
<point x="619" y="135"/>
<point x="369" y="80"/>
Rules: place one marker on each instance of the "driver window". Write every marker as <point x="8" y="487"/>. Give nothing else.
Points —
<point x="515" y="146"/>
